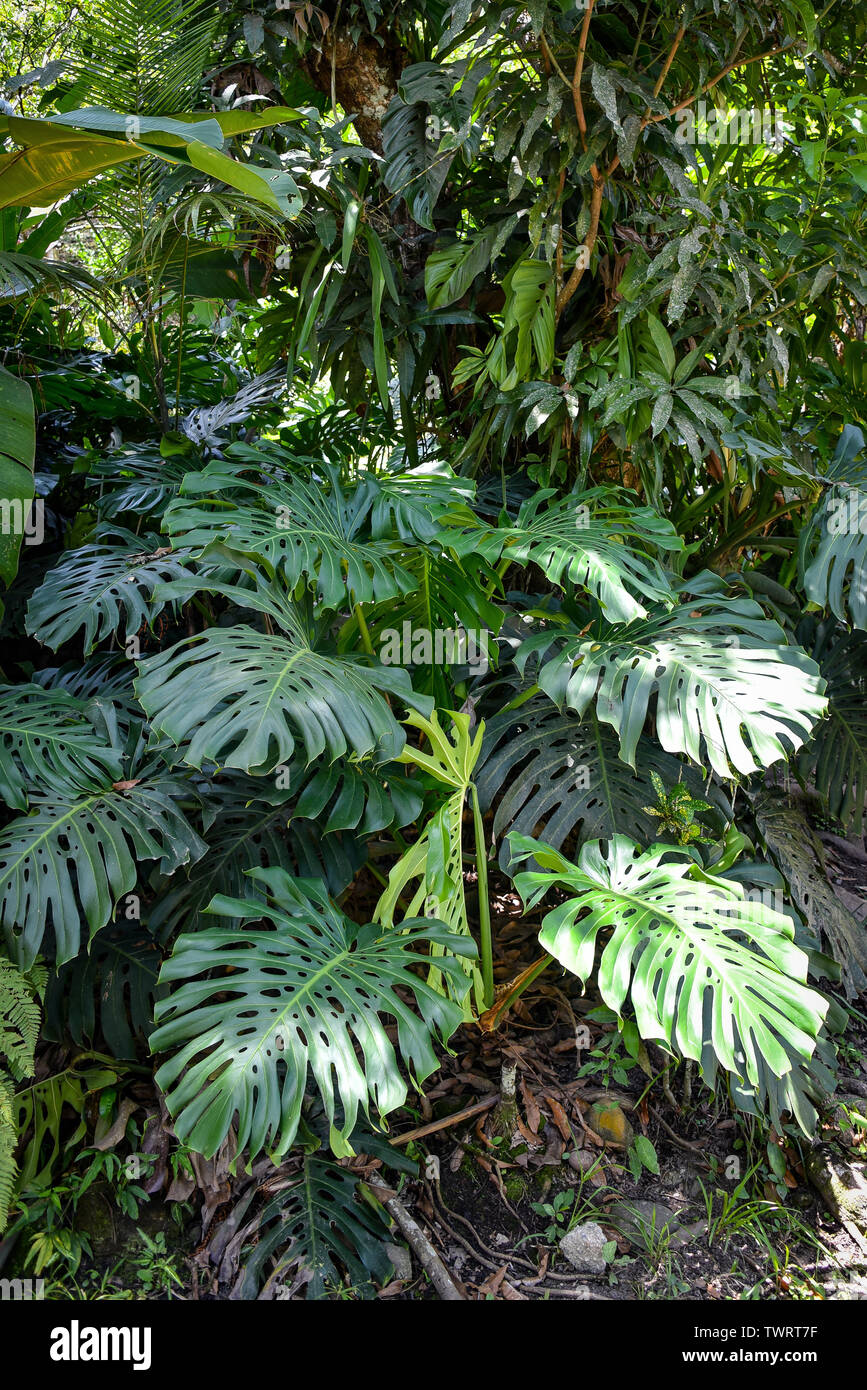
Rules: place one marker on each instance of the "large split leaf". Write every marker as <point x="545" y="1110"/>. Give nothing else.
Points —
<point x="704" y="967"/>
<point x="79" y="850"/>
<point x="298" y="529"/>
<point x="728" y="690"/>
<point x="317" y="1224"/>
<point x="306" y="993"/>
<point x="46" y="735"/>
<point x="100" y="586"/>
<point x="833" y="546"/>
<point x="250" y="823"/>
<point x="246" y="699"/>
<point x="550" y="774"/>
<point x="836" y="756"/>
<point x="798" y="854"/>
<point x="106" y="990"/>
<point x="595" y="540"/>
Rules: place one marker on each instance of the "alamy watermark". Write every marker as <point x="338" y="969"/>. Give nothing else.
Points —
<point x="23" y="518"/>
<point x="705" y="124"/>
<point x="420" y="646"/>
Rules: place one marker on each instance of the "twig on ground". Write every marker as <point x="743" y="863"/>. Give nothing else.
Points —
<point x="421" y="1247"/>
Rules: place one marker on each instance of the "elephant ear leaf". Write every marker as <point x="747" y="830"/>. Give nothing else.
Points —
<point x="101" y="586"/>
<point x="709" y="972"/>
<point x="253" y="1012"/>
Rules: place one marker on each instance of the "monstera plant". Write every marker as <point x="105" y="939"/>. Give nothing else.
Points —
<point x="455" y="492"/>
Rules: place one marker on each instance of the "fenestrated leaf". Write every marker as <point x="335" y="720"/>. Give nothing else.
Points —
<point x="246" y="699"/>
<point x="108" y="989"/>
<point x="249" y="823"/>
<point x="301" y="995"/>
<point x="704" y="967"/>
<point x="79" y="851"/>
<point x="728" y="689"/>
<point x="592" y="539"/>
<point x="798" y="855"/>
<point x="296" y="527"/>
<point x="46" y="735"/>
<point x="550" y="774"/>
<point x="836" y="756"/>
<point x="100" y="586"/>
<point x="315" y="1225"/>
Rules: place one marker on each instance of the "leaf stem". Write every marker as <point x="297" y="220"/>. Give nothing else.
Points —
<point x="486" y="944"/>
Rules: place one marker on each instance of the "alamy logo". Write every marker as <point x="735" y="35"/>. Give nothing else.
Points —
<point x="21" y="1290"/>
<point x="750" y="125"/>
<point x="23" y="518"/>
<point x="77" y="1343"/>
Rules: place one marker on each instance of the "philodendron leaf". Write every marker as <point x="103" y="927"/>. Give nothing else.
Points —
<point x="100" y="586"/>
<point x="254" y="1011"/>
<point x="728" y="690"/>
<point x="704" y="967"/>
<point x="45" y="735"/>
<point x="79" y="851"/>
<point x="246" y="699"/>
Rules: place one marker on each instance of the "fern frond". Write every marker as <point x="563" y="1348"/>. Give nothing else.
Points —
<point x="20" y="1017"/>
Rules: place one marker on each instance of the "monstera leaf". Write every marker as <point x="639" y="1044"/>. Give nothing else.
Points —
<point x="594" y="539"/>
<point x="797" y="852"/>
<point x="549" y="773"/>
<point x="246" y="699"/>
<point x="430" y="872"/>
<point x="137" y="479"/>
<point x="729" y="691"/>
<point x="704" y="967"/>
<point x="836" y="756"/>
<point x="78" y="852"/>
<point x="108" y="989"/>
<point x="833" y="545"/>
<point x="255" y="1010"/>
<point x="45" y="735"/>
<point x="836" y="575"/>
<point x="101" y="586"/>
<point x="297" y="528"/>
<point x="317" y="1224"/>
<point x="249" y="823"/>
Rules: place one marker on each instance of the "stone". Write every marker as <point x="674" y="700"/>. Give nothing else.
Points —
<point x="607" y="1120"/>
<point x="641" y="1222"/>
<point x="401" y="1261"/>
<point x="583" y="1247"/>
<point x="842" y="1186"/>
